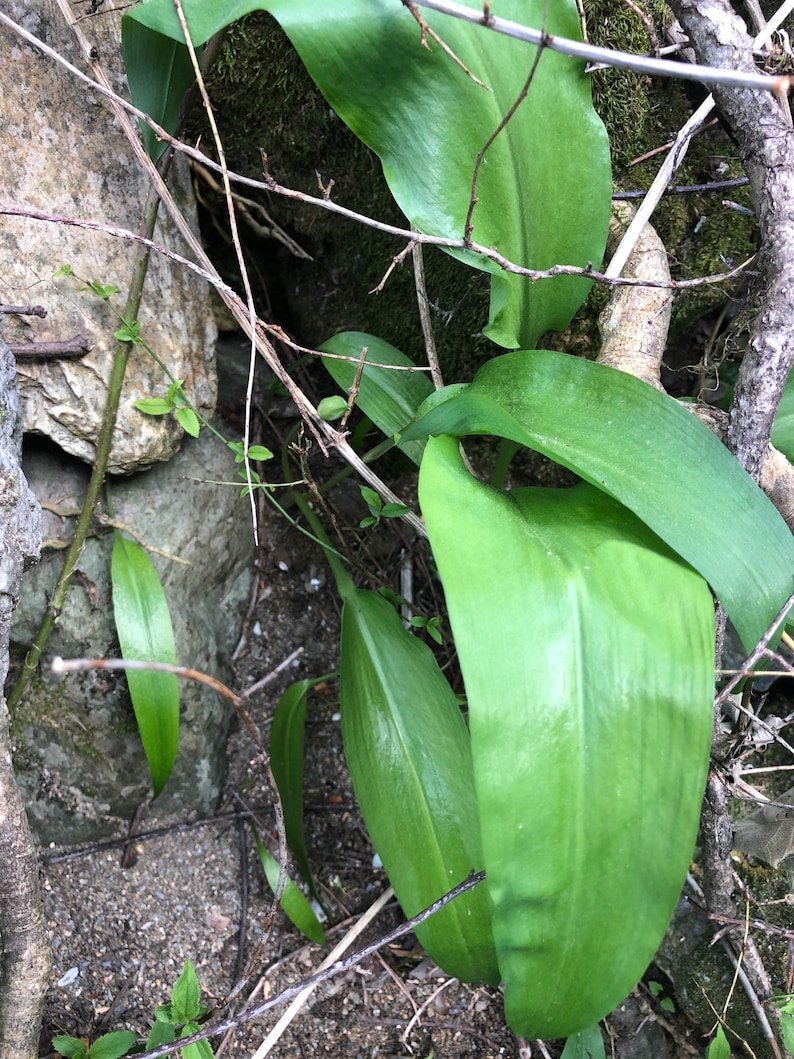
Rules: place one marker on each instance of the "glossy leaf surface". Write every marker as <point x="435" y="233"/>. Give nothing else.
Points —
<point x="783" y="428"/>
<point x="293" y="903"/>
<point x="144" y="628"/>
<point x="389" y="398"/>
<point x="409" y="756"/>
<point x="159" y="73"/>
<point x="645" y="450"/>
<point x="587" y="654"/>
<point x="543" y="191"/>
<point x="286" y="761"/>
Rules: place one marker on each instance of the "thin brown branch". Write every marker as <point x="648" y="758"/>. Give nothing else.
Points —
<point x="24" y="310"/>
<point x="714" y="74"/>
<point x="395" y="261"/>
<point x="427" y="31"/>
<point x="229" y="295"/>
<point x="468" y="227"/>
<point x="250" y="305"/>
<point x="424" y="317"/>
<point x="73" y="347"/>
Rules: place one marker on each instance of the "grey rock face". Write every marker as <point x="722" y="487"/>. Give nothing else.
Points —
<point x="78" y="756"/>
<point x="64" y="154"/>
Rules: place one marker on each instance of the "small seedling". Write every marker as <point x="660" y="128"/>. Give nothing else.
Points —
<point x="110" y="1046"/>
<point x="666" y="1003"/>
<point x="174" y="401"/>
<point x="379" y="510"/>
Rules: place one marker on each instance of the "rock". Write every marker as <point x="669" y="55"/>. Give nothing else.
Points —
<point x="79" y="760"/>
<point x="64" y="154"/>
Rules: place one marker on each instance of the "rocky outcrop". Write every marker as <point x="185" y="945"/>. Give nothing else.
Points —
<point x="78" y="756"/>
<point x="64" y="154"/>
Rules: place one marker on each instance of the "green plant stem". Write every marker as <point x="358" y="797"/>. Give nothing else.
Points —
<point x="104" y="443"/>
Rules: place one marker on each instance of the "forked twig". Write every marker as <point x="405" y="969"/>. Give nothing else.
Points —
<point x="428" y="31"/>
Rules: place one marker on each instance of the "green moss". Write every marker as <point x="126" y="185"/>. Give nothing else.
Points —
<point x="264" y="99"/>
<point x="620" y="97"/>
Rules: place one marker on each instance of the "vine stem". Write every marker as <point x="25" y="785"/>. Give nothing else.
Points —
<point x="99" y="469"/>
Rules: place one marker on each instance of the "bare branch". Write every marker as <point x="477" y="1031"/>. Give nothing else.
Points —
<point x="762" y="132"/>
<point x="715" y="74"/>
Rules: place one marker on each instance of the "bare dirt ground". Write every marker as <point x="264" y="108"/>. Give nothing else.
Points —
<point x="196" y="890"/>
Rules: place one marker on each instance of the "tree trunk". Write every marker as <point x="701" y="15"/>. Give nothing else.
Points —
<point x="25" y="957"/>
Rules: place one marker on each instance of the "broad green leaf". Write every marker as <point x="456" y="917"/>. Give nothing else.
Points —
<point x="186" y="996"/>
<point x="645" y="450"/>
<point x="787" y="1029"/>
<point x="199" y="1049"/>
<point x="720" y="1047"/>
<point x="543" y="192"/>
<point x="154" y="406"/>
<point x="113" y="1045"/>
<point x="143" y="624"/>
<point x="159" y="73"/>
<point x="160" y="1033"/>
<point x="586" y="1044"/>
<point x="294" y="904"/>
<point x="286" y="761"/>
<point x="71" y="1047"/>
<point x="189" y="421"/>
<point x="783" y="429"/>
<point x="587" y="653"/>
<point x="409" y="756"/>
<point x="389" y="398"/>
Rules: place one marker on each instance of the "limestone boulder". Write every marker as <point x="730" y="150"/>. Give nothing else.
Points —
<point x="64" y="154"/>
<point x="78" y="756"/>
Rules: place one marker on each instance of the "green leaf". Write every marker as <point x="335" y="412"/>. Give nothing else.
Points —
<point x="186" y="996"/>
<point x="587" y="653"/>
<point x="389" y="398"/>
<point x="129" y="332"/>
<point x="543" y="192"/>
<point x="189" y="421"/>
<point x="371" y="499"/>
<point x="112" y="1045"/>
<point x="544" y="189"/>
<point x="645" y="450"/>
<point x="159" y="73"/>
<point x="586" y="1044"/>
<point x="162" y="1032"/>
<point x="293" y="902"/>
<point x="259" y="452"/>
<point x="154" y="406"/>
<point x="199" y="1049"/>
<point x="409" y="756"/>
<point x="69" y="1046"/>
<point x="103" y="291"/>
<point x="787" y="1029"/>
<point x="719" y="1047"/>
<point x="286" y="761"/>
<point x="331" y="408"/>
<point x="393" y="510"/>
<point x="143" y="624"/>
<point x="783" y="429"/>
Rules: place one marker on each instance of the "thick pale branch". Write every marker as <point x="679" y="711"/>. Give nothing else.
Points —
<point x="762" y="132"/>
